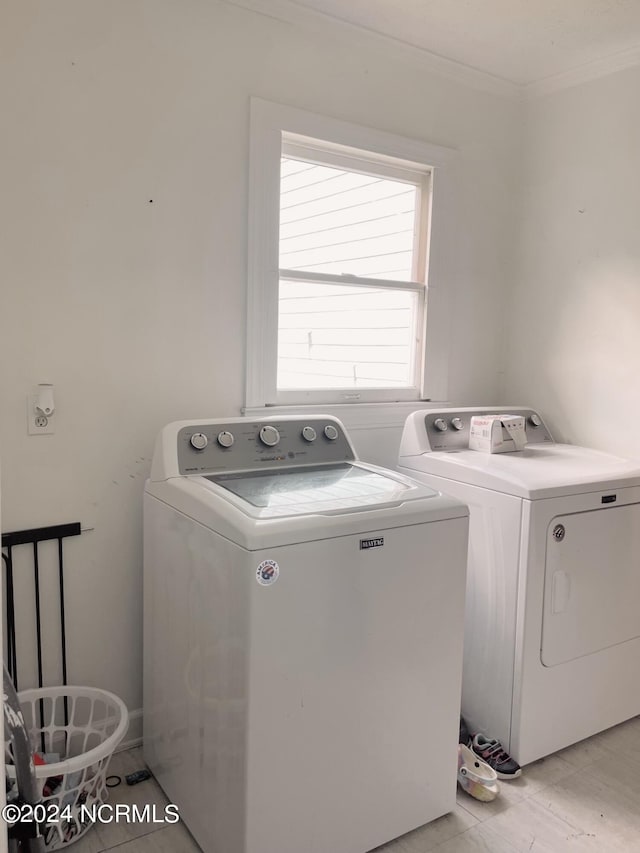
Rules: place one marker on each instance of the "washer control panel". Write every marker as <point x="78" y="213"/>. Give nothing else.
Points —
<point x="253" y="445"/>
<point x="449" y="429"/>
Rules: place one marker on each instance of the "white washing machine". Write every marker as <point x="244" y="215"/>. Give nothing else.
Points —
<point x="552" y="626"/>
<point x="303" y="617"/>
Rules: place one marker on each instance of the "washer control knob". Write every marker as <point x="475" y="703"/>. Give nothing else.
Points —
<point x="269" y="435"/>
<point x="199" y="441"/>
<point x="535" y="420"/>
<point x="456" y="423"/>
<point x="440" y="424"/>
<point x="330" y="432"/>
<point x="225" y="439"/>
<point x="308" y="433"/>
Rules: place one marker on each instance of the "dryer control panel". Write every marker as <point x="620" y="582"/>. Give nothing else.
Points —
<point x="448" y="429"/>
<point x="248" y="445"/>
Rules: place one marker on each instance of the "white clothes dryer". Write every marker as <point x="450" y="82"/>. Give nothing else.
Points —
<point x="552" y="624"/>
<point x="303" y="620"/>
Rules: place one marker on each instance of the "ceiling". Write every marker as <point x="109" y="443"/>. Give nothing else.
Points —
<point x="519" y="41"/>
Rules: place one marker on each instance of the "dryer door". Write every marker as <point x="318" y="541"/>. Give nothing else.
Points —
<point x="592" y="583"/>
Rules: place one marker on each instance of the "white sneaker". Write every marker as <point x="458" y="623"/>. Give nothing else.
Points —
<point x="475" y="777"/>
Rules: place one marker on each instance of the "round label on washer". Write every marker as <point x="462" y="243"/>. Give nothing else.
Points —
<point x="267" y="572"/>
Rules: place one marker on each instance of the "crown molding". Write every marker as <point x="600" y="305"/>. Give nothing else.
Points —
<point x="583" y="74"/>
<point x="289" y="12"/>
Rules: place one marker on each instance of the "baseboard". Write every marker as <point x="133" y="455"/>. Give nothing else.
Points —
<point x="133" y="736"/>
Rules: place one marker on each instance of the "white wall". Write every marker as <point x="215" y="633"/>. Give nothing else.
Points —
<point x="123" y="243"/>
<point x="575" y="319"/>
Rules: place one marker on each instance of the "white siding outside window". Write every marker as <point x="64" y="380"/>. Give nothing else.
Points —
<point x="339" y="221"/>
<point x="339" y="240"/>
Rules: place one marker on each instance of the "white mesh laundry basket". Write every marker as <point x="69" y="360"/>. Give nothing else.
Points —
<point x="83" y="726"/>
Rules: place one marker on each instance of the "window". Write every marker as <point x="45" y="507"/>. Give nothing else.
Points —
<point x="339" y="244"/>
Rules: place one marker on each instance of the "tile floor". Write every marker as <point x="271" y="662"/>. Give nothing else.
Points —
<point x="584" y="799"/>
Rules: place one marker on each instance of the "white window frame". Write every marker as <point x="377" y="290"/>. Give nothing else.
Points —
<point x="271" y="124"/>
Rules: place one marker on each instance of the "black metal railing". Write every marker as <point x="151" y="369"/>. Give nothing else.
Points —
<point x="33" y="537"/>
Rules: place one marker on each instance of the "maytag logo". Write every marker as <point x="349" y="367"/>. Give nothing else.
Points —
<point x="371" y="543"/>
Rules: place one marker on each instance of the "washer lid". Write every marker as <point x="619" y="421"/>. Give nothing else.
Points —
<point x="539" y="471"/>
<point x="264" y="509"/>
<point x="327" y="489"/>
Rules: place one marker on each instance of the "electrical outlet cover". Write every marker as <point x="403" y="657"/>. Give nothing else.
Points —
<point x="37" y="424"/>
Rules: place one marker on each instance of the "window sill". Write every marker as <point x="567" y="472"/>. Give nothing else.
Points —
<point x="353" y="415"/>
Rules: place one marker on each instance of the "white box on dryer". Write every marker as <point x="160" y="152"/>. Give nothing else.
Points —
<point x="497" y="433"/>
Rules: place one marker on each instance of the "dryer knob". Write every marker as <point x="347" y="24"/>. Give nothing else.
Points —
<point x="269" y="435"/>
<point x="535" y="420"/>
<point x="440" y="424"/>
<point x="308" y="433"/>
<point x="199" y="441"/>
<point x="456" y="423"/>
<point x="225" y="439"/>
<point x="331" y="432"/>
